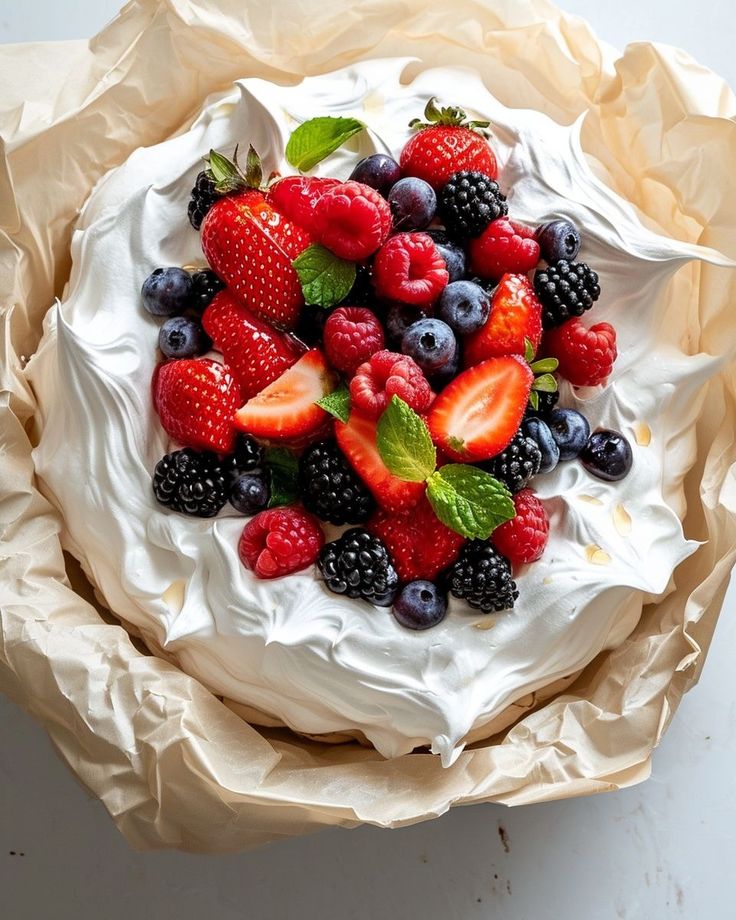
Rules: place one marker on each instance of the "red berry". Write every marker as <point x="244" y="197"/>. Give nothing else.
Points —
<point x="502" y="248"/>
<point x="586" y="356"/>
<point x="438" y="151"/>
<point x="524" y="537"/>
<point x="296" y="197"/>
<point x="409" y="269"/>
<point x="516" y="315"/>
<point x="352" y="220"/>
<point x="351" y="336"/>
<point x="388" y="374"/>
<point x="419" y="544"/>
<point x="280" y="541"/>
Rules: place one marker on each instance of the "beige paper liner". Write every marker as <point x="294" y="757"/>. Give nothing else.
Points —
<point x="174" y="766"/>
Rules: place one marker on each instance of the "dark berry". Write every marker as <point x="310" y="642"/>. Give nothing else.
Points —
<point x="607" y="455"/>
<point x="558" y="239"/>
<point x="442" y="377"/>
<point x="464" y="306"/>
<point x="167" y="291"/>
<point x="398" y="319"/>
<point x="545" y="404"/>
<point x="379" y="171"/>
<point x="180" y="337"/>
<point x="538" y="430"/>
<point x="431" y="343"/>
<point x="249" y="493"/>
<point x="517" y="463"/>
<point x="358" y="565"/>
<point x="205" y="285"/>
<point x="311" y="324"/>
<point x="202" y="198"/>
<point x="570" y="430"/>
<point x="191" y="481"/>
<point x="330" y="489"/>
<point x="565" y="289"/>
<point x="413" y="203"/>
<point x="248" y="454"/>
<point x="482" y="577"/>
<point x="361" y="293"/>
<point x="420" y="605"/>
<point x="469" y="202"/>
<point x="455" y="260"/>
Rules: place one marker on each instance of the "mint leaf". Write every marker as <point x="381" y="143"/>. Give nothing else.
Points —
<point x="337" y="403"/>
<point x="283" y="470"/>
<point x="317" y="138"/>
<point x="469" y="500"/>
<point x="404" y="443"/>
<point x="325" y="279"/>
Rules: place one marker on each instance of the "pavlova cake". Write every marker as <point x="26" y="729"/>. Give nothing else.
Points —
<point x="367" y="421"/>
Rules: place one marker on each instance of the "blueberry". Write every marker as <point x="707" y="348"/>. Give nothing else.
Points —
<point x="570" y="430"/>
<point x="180" y="337"/>
<point x="379" y="171"/>
<point x="441" y="378"/>
<point x="454" y="259"/>
<point x="558" y="239"/>
<point x="464" y="306"/>
<point x="398" y="319"/>
<point x="167" y="291"/>
<point x="607" y="455"/>
<point x="431" y="343"/>
<point x="413" y="203"/>
<point x="420" y="605"/>
<point x="539" y="432"/>
<point x="249" y="492"/>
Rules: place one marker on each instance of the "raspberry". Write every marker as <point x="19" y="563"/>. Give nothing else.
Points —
<point x="385" y="375"/>
<point x="352" y="220"/>
<point x="523" y="538"/>
<point x="501" y="248"/>
<point x="586" y="356"/>
<point x="409" y="269"/>
<point x="351" y="336"/>
<point x="280" y="541"/>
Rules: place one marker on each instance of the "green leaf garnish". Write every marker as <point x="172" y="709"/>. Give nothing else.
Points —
<point x="404" y="443"/>
<point x="545" y="384"/>
<point x="283" y="469"/>
<point x="468" y="500"/>
<point x="325" y="278"/>
<point x="528" y="350"/>
<point x="545" y="366"/>
<point x="317" y="138"/>
<point x="534" y="400"/>
<point x="337" y="403"/>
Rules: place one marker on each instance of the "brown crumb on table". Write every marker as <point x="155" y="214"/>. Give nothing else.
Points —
<point x="504" y="838"/>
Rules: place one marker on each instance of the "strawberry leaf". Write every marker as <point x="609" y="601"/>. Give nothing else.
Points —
<point x="404" y="442"/>
<point x="253" y="169"/>
<point x="545" y="384"/>
<point x="545" y="366"/>
<point x="534" y="400"/>
<point x="468" y="500"/>
<point x="337" y="403"/>
<point x="317" y="138"/>
<point x="528" y="350"/>
<point x="325" y="278"/>
<point x="283" y="469"/>
<point x="225" y="173"/>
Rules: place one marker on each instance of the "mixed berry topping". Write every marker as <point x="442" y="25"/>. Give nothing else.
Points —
<point x="357" y="564"/>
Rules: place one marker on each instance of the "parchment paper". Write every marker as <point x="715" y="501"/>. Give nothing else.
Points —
<point x="174" y="765"/>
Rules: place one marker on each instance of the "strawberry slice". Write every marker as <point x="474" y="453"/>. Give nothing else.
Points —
<point x="516" y="315"/>
<point x="478" y="413"/>
<point x="296" y="197"/>
<point x="195" y="399"/>
<point x="256" y="353"/>
<point x="357" y="440"/>
<point x="286" y="408"/>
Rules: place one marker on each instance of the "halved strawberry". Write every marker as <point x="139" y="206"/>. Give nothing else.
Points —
<point x="478" y="413"/>
<point x="256" y="353"/>
<point x="357" y="440"/>
<point x="296" y="197"/>
<point x="516" y="315"/>
<point x="287" y="408"/>
<point x="195" y="399"/>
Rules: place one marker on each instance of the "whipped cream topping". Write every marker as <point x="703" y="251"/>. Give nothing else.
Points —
<point x="315" y="661"/>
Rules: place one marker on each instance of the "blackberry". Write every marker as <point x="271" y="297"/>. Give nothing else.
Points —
<point x="516" y="465"/>
<point x="481" y="576"/>
<point x="330" y="489"/>
<point x="565" y="289"/>
<point x="358" y="565"/>
<point x="469" y="202"/>
<point x="205" y="285"/>
<point x="547" y="402"/>
<point x="190" y="481"/>
<point x="202" y="198"/>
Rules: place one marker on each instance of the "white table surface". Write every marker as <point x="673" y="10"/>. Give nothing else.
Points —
<point x="664" y="849"/>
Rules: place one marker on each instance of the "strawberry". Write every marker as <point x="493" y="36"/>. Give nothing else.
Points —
<point x="256" y="353"/>
<point x="357" y="440"/>
<point x="478" y="413"/>
<point x="195" y="399"/>
<point x="251" y="246"/>
<point x="446" y="143"/>
<point x="287" y="408"/>
<point x="296" y="197"/>
<point x="419" y="544"/>
<point x="516" y="315"/>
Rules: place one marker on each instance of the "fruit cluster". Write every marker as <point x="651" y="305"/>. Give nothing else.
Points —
<point x="375" y="364"/>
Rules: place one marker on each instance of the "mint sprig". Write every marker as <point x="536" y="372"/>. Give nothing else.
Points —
<point x="325" y="278"/>
<point x="317" y="138"/>
<point x="337" y="403"/>
<point x="468" y="500"/>
<point x="404" y="443"/>
<point x="283" y="469"/>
